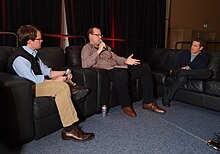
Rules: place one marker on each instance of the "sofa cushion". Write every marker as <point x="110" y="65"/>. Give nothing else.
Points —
<point x="212" y="88"/>
<point x="192" y="85"/>
<point x="214" y="63"/>
<point x="53" y="57"/>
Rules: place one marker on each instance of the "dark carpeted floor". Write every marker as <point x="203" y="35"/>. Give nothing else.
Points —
<point x="184" y="129"/>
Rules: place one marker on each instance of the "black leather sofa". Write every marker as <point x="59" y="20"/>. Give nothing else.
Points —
<point x="196" y="92"/>
<point x="25" y="118"/>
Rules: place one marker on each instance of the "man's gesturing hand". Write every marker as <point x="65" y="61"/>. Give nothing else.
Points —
<point x="132" y="61"/>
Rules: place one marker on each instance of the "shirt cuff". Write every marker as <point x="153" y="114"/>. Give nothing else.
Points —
<point x="47" y="72"/>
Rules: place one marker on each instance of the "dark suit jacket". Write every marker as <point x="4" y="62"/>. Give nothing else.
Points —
<point x="183" y="59"/>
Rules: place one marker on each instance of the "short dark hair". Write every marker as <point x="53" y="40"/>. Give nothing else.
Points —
<point x="201" y="41"/>
<point x="90" y="30"/>
<point x="27" y="32"/>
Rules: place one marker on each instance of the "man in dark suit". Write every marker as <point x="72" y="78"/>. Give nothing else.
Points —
<point x="189" y="65"/>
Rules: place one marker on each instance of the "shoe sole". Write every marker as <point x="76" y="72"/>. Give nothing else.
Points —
<point x="153" y="110"/>
<point x="71" y="138"/>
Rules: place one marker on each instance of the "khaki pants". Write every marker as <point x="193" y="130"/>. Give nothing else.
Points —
<point x="61" y="92"/>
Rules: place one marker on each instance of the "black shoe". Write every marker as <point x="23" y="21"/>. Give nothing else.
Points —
<point x="78" y="92"/>
<point x="166" y="102"/>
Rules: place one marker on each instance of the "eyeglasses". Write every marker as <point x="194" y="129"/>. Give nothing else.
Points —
<point x="98" y="35"/>
<point x="39" y="39"/>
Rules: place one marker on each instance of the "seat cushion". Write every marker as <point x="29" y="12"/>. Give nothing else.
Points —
<point x="191" y="85"/>
<point x="212" y="88"/>
<point x="194" y="85"/>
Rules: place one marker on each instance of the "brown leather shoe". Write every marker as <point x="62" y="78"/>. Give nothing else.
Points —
<point x="78" y="92"/>
<point x="166" y="102"/>
<point x="129" y="110"/>
<point x="77" y="134"/>
<point x="153" y="107"/>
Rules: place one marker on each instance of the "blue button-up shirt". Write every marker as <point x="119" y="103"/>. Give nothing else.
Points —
<point x="23" y="67"/>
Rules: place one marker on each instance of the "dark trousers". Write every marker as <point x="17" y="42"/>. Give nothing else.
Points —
<point x="183" y="77"/>
<point x="120" y="77"/>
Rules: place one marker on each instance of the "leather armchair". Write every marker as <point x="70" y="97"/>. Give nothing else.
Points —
<point x="105" y="92"/>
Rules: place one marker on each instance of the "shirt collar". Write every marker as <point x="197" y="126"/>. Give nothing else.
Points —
<point x="30" y="51"/>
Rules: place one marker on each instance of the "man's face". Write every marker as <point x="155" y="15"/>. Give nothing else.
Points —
<point x="35" y="44"/>
<point x="195" y="47"/>
<point x="95" y="37"/>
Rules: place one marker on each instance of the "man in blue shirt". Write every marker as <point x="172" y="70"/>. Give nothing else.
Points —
<point x="25" y="63"/>
<point x="189" y="65"/>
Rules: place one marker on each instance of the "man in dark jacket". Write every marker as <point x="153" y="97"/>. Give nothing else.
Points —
<point x="189" y="65"/>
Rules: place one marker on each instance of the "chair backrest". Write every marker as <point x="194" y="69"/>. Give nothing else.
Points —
<point x="73" y="55"/>
<point x="214" y="63"/>
<point x="53" y="57"/>
<point x="5" y="53"/>
<point x="163" y="59"/>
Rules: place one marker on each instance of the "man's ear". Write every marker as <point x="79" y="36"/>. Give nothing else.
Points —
<point x="29" y="41"/>
<point x="90" y="35"/>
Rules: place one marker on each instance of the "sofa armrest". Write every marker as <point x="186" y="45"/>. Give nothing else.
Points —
<point x="92" y="78"/>
<point x="87" y="78"/>
<point x="16" y="110"/>
<point x="97" y="81"/>
<point x="103" y="84"/>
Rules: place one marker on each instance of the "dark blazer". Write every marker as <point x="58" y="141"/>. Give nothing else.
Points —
<point x="183" y="59"/>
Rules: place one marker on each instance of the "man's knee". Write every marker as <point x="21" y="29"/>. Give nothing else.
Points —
<point x="62" y="85"/>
